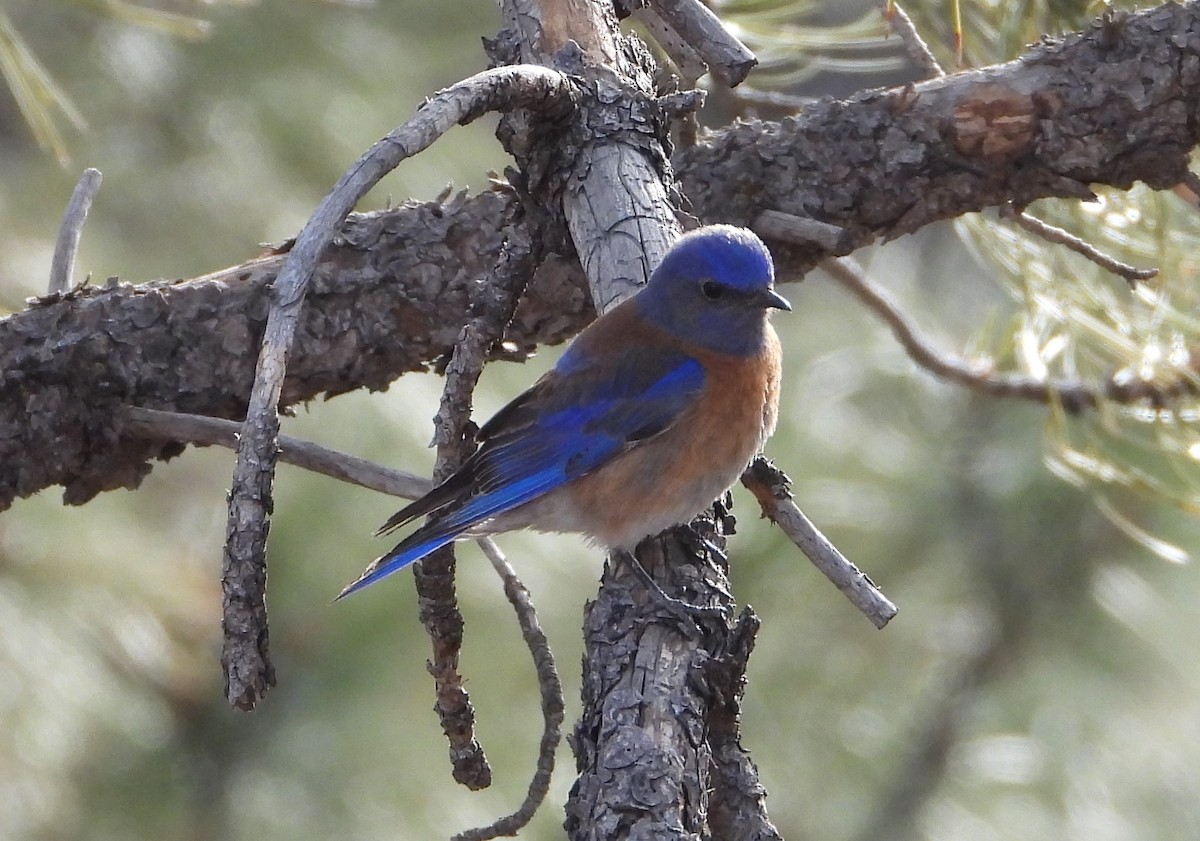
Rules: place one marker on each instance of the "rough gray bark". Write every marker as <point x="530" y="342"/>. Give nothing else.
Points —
<point x="389" y="297"/>
<point x="1113" y="105"/>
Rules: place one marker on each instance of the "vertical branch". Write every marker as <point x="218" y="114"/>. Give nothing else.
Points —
<point x="244" y="656"/>
<point x="644" y="763"/>
<point x="641" y="747"/>
<point x="62" y="265"/>
<point x="738" y="810"/>
<point x="492" y="308"/>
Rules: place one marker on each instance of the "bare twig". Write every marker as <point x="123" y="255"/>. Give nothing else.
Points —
<point x="914" y="44"/>
<point x="728" y="59"/>
<point x="1073" y="395"/>
<point x="491" y="310"/>
<point x="200" y="429"/>
<point x="197" y="429"/>
<point x="1059" y="236"/>
<point x="62" y="265"/>
<point x="685" y="57"/>
<point x="772" y="488"/>
<point x="245" y="657"/>
<point x="798" y="230"/>
<point x="552" y="700"/>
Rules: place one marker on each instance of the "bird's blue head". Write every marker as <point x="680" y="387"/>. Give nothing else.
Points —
<point x="714" y="288"/>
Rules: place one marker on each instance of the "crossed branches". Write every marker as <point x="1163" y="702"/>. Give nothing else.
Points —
<point x="617" y="250"/>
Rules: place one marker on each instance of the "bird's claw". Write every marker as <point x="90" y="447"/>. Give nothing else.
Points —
<point x="688" y="613"/>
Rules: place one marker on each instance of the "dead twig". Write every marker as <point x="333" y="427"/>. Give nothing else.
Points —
<point x="1058" y="236"/>
<point x="491" y="310"/>
<point x="200" y="429"/>
<point x="695" y="25"/>
<point x="1073" y="395"/>
<point x="772" y="488"/>
<point x="553" y="707"/>
<point x="914" y="44"/>
<point x="800" y="230"/>
<point x="245" y="655"/>
<point x="62" y="265"/>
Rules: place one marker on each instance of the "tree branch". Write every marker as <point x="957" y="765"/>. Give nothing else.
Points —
<point x="62" y="265"/>
<point x="727" y="58"/>
<point x="389" y="297"/>
<point x="914" y="44"/>
<point x="553" y="707"/>
<point x="492" y="307"/>
<point x="1073" y="395"/>
<point x="878" y="165"/>
<point x="244" y="656"/>
<point x="1052" y="234"/>
<point x="885" y="163"/>
<point x="198" y="429"/>
<point x="772" y="488"/>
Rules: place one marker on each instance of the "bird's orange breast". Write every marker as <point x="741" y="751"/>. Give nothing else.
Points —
<point x="672" y="477"/>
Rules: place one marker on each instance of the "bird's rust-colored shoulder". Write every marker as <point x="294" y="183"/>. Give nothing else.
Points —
<point x="668" y="479"/>
<point x="621" y="327"/>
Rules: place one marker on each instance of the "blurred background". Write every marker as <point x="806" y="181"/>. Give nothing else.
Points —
<point x="1040" y="682"/>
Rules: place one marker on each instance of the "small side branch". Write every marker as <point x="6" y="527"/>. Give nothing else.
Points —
<point x="914" y="44"/>
<point x="553" y="707"/>
<point x="1053" y="234"/>
<point x="685" y="57"/>
<point x="800" y="230"/>
<point x="62" y="265"/>
<point x="204" y="430"/>
<point x="1074" y="396"/>
<point x="245" y="657"/>
<point x="705" y="36"/>
<point x="772" y="488"/>
<point x="492" y="308"/>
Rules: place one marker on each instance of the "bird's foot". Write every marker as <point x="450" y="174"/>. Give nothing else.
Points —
<point x="687" y="612"/>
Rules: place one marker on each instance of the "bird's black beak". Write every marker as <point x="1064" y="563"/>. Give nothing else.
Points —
<point x="770" y="299"/>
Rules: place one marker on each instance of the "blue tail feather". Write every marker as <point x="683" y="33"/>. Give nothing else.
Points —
<point x="434" y="536"/>
<point x="397" y="559"/>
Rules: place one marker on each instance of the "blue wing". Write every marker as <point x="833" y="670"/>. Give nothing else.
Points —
<point x="570" y="422"/>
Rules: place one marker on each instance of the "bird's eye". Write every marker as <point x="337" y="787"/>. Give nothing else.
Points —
<point x="712" y="290"/>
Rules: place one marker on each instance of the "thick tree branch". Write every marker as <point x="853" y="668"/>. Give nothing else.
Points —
<point x="1113" y="105"/>
<point x="389" y="297"/>
<point x="390" y="291"/>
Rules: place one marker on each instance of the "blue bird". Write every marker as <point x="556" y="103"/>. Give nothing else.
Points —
<point x="653" y="412"/>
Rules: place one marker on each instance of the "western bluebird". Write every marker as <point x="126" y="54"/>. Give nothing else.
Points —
<point x="652" y="413"/>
